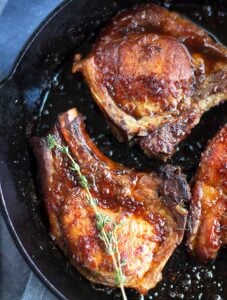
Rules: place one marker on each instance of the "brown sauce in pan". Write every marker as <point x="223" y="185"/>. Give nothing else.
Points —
<point x="183" y="277"/>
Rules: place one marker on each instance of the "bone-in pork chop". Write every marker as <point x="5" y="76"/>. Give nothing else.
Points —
<point x="153" y="74"/>
<point x="148" y="205"/>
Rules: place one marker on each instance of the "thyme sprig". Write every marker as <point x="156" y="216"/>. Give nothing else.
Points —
<point x="107" y="236"/>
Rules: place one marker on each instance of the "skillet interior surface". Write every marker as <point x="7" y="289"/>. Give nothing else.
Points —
<point x="40" y="87"/>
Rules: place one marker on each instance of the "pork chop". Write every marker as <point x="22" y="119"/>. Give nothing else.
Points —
<point x="154" y="73"/>
<point x="208" y="212"/>
<point x="150" y="205"/>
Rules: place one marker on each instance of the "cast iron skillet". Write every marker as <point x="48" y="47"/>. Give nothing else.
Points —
<point x="39" y="87"/>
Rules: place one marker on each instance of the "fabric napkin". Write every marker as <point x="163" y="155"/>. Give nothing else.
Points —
<point x="35" y="290"/>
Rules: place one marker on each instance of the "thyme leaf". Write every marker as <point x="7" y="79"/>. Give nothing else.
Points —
<point x="107" y="235"/>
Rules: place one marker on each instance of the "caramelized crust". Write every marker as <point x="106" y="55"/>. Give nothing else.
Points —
<point x="208" y="212"/>
<point x="153" y="74"/>
<point x="149" y="204"/>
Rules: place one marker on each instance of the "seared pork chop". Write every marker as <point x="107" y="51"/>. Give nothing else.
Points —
<point x="149" y="204"/>
<point x="153" y="74"/>
<point x="208" y="212"/>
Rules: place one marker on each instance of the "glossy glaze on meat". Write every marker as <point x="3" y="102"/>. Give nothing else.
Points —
<point x="153" y="74"/>
<point x="208" y="212"/>
<point x="150" y="204"/>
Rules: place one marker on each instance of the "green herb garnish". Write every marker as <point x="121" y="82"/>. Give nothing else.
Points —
<point x="107" y="236"/>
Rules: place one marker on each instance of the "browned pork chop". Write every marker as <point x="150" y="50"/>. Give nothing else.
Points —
<point x="149" y="204"/>
<point x="208" y="212"/>
<point x="153" y="74"/>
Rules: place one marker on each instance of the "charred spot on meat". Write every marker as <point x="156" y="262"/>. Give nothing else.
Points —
<point x="208" y="212"/>
<point x="153" y="74"/>
<point x="153" y="214"/>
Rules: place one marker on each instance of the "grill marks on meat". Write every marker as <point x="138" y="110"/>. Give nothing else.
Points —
<point x="208" y="212"/>
<point x="153" y="74"/>
<point x="150" y="204"/>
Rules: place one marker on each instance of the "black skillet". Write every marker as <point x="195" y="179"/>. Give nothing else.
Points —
<point x="41" y="86"/>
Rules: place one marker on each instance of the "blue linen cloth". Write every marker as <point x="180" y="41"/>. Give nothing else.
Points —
<point x="35" y="290"/>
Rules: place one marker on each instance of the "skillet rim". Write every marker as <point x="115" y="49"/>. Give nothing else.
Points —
<point x="31" y="39"/>
<point x="3" y="196"/>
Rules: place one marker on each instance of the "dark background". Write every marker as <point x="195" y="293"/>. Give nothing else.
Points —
<point x="18" y="20"/>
